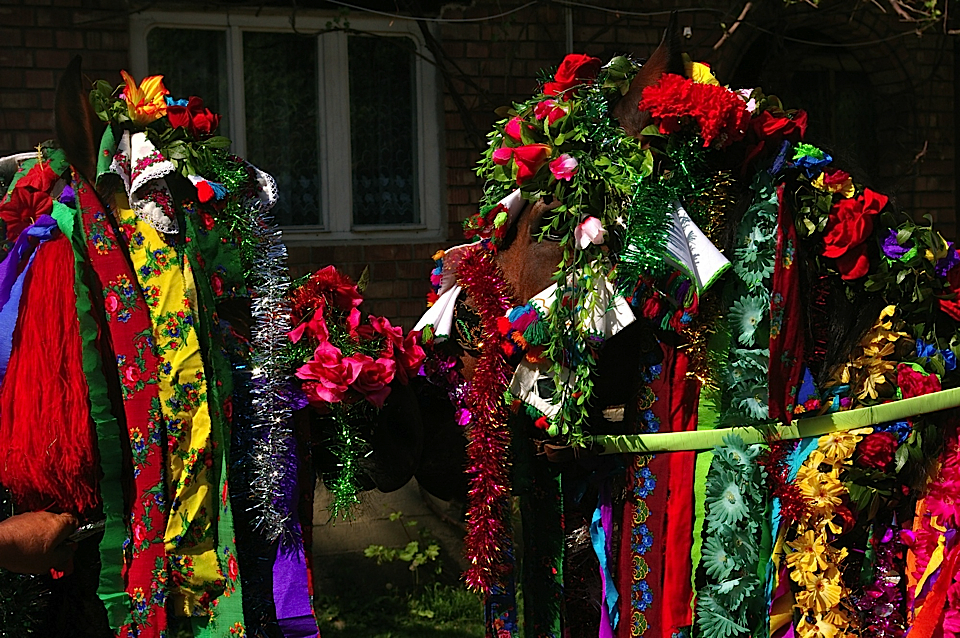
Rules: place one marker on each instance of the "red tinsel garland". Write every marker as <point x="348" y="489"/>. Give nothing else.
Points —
<point x="488" y="447"/>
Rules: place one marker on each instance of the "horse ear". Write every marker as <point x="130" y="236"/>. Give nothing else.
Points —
<point x="78" y="127"/>
<point x="666" y="59"/>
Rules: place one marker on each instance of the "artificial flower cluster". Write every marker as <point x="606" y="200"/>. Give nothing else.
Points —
<point x="353" y="358"/>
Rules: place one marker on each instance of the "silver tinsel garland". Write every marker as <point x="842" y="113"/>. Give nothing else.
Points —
<point x="273" y="454"/>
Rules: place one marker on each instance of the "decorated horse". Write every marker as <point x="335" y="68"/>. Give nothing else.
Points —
<point x="145" y="387"/>
<point x="706" y="376"/>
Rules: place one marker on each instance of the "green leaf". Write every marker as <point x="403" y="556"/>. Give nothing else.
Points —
<point x="903" y="236"/>
<point x="652" y="131"/>
<point x="217" y="141"/>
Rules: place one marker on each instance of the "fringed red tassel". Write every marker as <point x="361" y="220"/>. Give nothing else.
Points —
<point x="488" y="447"/>
<point x="47" y="445"/>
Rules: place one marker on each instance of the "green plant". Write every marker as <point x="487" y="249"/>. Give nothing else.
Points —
<point x="419" y="551"/>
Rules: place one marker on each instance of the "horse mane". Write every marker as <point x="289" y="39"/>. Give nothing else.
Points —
<point x="77" y="127"/>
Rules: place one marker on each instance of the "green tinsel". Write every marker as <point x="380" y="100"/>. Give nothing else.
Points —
<point x="348" y="446"/>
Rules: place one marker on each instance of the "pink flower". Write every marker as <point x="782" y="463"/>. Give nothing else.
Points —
<point x="332" y="374"/>
<point x="549" y="109"/>
<point x="374" y="378"/>
<point x="529" y="159"/>
<point x="590" y="231"/>
<point x="216" y="282"/>
<point x="131" y="376"/>
<point x="112" y="303"/>
<point x="564" y="167"/>
<point x="915" y="384"/>
<point x="406" y="351"/>
<point x="316" y="327"/>
<point x="512" y="129"/>
<point x="502" y="155"/>
<point x="138" y="533"/>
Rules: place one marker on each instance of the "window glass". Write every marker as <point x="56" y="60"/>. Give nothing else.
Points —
<point x="383" y="130"/>
<point x="281" y="102"/>
<point x="192" y="62"/>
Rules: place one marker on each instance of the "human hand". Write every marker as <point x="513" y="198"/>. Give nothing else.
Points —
<point x="35" y="542"/>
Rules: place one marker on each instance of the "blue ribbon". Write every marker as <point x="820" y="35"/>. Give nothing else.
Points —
<point x="602" y="516"/>
<point x="12" y="280"/>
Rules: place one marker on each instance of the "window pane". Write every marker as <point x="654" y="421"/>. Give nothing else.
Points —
<point x="192" y="62"/>
<point x="280" y="84"/>
<point x="383" y="133"/>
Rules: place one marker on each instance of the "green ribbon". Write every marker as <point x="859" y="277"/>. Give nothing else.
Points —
<point x="801" y="428"/>
<point x="229" y="609"/>
<point x="707" y="418"/>
<point x="111" y="588"/>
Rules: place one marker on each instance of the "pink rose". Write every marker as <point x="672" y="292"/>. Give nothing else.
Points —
<point x="502" y="156"/>
<point x="374" y="378"/>
<point x="131" y="375"/>
<point x="590" y="231"/>
<point x="112" y="303"/>
<point x="332" y="374"/>
<point x="564" y="167"/>
<point x="138" y="531"/>
<point x="512" y="129"/>
<point x="549" y="109"/>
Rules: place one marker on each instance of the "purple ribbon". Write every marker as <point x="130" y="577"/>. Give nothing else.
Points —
<point x="601" y="536"/>
<point x="12" y="280"/>
<point x="291" y="593"/>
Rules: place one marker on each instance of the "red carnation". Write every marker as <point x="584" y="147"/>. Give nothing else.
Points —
<point x="197" y="120"/>
<point x="850" y="224"/>
<point x="576" y="69"/>
<point x="720" y="113"/>
<point x="876" y="450"/>
<point x="915" y="384"/>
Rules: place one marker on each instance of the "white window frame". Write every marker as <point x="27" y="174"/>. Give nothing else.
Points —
<point x="336" y="197"/>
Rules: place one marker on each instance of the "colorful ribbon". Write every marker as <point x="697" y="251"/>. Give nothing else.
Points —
<point x="601" y="534"/>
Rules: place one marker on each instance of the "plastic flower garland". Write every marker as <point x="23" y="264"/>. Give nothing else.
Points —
<point x="348" y="364"/>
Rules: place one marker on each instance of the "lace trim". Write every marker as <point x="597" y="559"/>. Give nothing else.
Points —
<point x="142" y="168"/>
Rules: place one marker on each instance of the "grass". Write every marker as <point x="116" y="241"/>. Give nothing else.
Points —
<point x="437" y="611"/>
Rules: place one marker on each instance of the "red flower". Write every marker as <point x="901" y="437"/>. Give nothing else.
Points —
<point x="111" y="303"/>
<point x="512" y="129"/>
<point x="952" y="306"/>
<point x="719" y="112"/>
<point x="332" y="374"/>
<point x="374" y="378"/>
<point x="233" y="570"/>
<point x="406" y="351"/>
<point x="915" y="384"/>
<point x="768" y="129"/>
<point x="325" y="286"/>
<point x="198" y="121"/>
<point x="575" y="69"/>
<point x="206" y="220"/>
<point x="542" y="423"/>
<point x="850" y="224"/>
<point x="529" y="159"/>
<point x="131" y="375"/>
<point x="216" y="282"/>
<point x="23" y="208"/>
<point x="876" y="450"/>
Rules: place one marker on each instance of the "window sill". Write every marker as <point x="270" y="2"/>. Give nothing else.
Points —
<point x="293" y="236"/>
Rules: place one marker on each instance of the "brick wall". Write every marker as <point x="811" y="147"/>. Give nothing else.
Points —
<point x="494" y="62"/>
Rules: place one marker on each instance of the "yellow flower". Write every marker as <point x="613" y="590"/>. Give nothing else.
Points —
<point x="146" y="103"/>
<point x="808" y="553"/>
<point x="699" y="72"/>
<point x="821" y="590"/>
<point x="845" y="188"/>
<point x="838" y="446"/>
<point x="822" y="492"/>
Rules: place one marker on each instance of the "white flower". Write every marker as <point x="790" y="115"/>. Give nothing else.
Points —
<point x="590" y="231"/>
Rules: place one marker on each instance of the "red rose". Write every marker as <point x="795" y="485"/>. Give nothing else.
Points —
<point x="216" y="282"/>
<point x="529" y="159"/>
<point x="915" y="384"/>
<point x="850" y="224"/>
<point x="131" y="375"/>
<point x="876" y="450"/>
<point x="198" y="121"/>
<point x="332" y="374"/>
<point x="576" y="69"/>
<point x="406" y="351"/>
<point x="112" y="303"/>
<point x="512" y="129"/>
